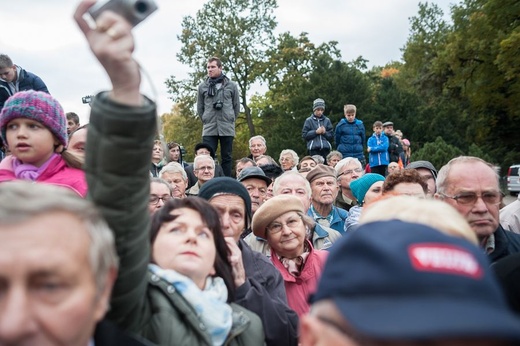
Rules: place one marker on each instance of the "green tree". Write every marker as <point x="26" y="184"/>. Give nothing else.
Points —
<point x="438" y="152"/>
<point x="239" y="32"/>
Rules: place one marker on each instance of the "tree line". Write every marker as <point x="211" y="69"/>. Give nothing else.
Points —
<point x="455" y="91"/>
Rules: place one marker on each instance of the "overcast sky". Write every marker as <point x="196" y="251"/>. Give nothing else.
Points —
<point x="40" y="36"/>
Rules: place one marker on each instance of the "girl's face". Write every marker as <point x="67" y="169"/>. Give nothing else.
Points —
<point x="373" y="192"/>
<point x="186" y="245"/>
<point x="30" y="141"/>
<point x="286" y="235"/>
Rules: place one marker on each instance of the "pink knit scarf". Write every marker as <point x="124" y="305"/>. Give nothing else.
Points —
<point x="27" y="171"/>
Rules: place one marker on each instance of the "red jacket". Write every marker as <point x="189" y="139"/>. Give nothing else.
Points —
<point x="299" y="289"/>
<point x="57" y="173"/>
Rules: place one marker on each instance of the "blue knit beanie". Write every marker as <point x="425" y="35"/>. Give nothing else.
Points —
<point x="318" y="103"/>
<point x="38" y="106"/>
<point x="361" y="185"/>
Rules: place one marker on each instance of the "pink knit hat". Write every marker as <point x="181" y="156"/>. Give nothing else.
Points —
<point x="38" y="106"/>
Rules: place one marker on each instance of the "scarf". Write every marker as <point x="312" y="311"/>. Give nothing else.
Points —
<point x="27" y="171"/>
<point x="212" y="89"/>
<point x="209" y="304"/>
<point x="295" y="265"/>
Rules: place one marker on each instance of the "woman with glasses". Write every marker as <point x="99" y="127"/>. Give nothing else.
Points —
<point x="289" y="160"/>
<point x="282" y="221"/>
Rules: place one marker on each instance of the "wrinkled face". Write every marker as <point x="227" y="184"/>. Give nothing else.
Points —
<point x="71" y="126"/>
<point x="159" y="194"/>
<point x="242" y="165"/>
<point x="48" y="293"/>
<point x="409" y="189"/>
<point x="257" y="148"/>
<point x="257" y="189"/>
<point x="8" y="74"/>
<point x="350" y="117"/>
<point x="324" y="190"/>
<point x="348" y="173"/>
<point x="186" y="245"/>
<point x="205" y="170"/>
<point x="374" y="192"/>
<point x="30" y="141"/>
<point x="333" y="161"/>
<point x="430" y="181"/>
<point x="477" y="178"/>
<point x="157" y="153"/>
<point x="213" y="70"/>
<point x="232" y="211"/>
<point x="177" y="183"/>
<point x="307" y="164"/>
<point x="77" y="142"/>
<point x="287" y="162"/>
<point x="286" y="235"/>
<point x="175" y="154"/>
<point x="295" y="187"/>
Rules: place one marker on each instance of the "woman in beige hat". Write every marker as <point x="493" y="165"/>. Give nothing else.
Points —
<point x="283" y="223"/>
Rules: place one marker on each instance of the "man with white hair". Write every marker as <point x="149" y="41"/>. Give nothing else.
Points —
<point x="347" y="170"/>
<point x="257" y="146"/>
<point x="204" y="170"/>
<point x="175" y="175"/>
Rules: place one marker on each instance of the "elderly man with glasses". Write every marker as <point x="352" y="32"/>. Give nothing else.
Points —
<point x="471" y="186"/>
<point x="204" y="169"/>
<point x="347" y="170"/>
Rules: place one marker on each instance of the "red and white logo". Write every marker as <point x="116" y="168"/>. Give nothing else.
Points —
<point x="442" y="258"/>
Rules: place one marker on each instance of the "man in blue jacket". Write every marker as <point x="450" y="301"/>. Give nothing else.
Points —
<point x="14" y="79"/>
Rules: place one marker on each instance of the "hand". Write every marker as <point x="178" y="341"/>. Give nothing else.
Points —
<point x="235" y="258"/>
<point x="112" y="43"/>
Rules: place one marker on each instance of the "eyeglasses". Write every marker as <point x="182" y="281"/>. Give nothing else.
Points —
<point x="154" y="199"/>
<point x="284" y="159"/>
<point x="350" y="171"/>
<point x="205" y="168"/>
<point x="277" y="227"/>
<point x="470" y="198"/>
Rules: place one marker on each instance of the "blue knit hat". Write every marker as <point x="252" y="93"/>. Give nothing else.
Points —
<point x="361" y="185"/>
<point x="38" y="106"/>
<point x="318" y="103"/>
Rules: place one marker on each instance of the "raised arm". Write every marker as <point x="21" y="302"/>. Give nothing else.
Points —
<point x="119" y="146"/>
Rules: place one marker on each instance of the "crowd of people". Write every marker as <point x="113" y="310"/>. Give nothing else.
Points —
<point x="108" y="237"/>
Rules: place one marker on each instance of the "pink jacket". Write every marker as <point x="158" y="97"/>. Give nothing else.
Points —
<point x="57" y="173"/>
<point x="299" y="289"/>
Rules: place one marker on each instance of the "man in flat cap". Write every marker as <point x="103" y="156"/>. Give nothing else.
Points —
<point x="395" y="148"/>
<point x="324" y="189"/>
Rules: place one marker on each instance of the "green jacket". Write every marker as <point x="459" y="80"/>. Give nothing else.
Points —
<point x="120" y="141"/>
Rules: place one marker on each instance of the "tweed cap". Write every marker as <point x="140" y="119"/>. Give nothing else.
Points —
<point x="388" y="123"/>
<point x="361" y="185"/>
<point x="38" y="106"/>
<point x="318" y="103"/>
<point x="272" y="209"/>
<point x="320" y="171"/>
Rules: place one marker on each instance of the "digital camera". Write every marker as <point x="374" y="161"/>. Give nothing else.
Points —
<point x="218" y="105"/>
<point x="87" y="99"/>
<point x="134" y="11"/>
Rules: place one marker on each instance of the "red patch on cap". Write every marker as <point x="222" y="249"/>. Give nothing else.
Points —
<point x="442" y="258"/>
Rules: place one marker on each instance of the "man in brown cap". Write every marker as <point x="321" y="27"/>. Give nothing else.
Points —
<point x="324" y="189"/>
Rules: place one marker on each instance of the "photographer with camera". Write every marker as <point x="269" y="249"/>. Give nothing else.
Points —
<point x="218" y="105"/>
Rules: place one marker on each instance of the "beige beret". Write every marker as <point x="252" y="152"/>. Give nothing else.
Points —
<point x="272" y="209"/>
<point x="320" y="171"/>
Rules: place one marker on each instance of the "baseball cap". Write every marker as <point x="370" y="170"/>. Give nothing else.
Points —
<point x="395" y="280"/>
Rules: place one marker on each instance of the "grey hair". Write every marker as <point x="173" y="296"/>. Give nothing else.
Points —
<point x="295" y="157"/>
<point x="174" y="167"/>
<point x="258" y="137"/>
<point x="21" y="201"/>
<point x="334" y="153"/>
<point x="344" y="162"/>
<point x="200" y="157"/>
<point x="268" y="158"/>
<point x="162" y="181"/>
<point x="291" y="175"/>
<point x="444" y="172"/>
